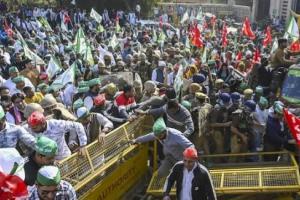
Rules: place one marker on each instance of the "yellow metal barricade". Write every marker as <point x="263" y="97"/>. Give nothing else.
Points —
<point x="109" y="170"/>
<point x="246" y="178"/>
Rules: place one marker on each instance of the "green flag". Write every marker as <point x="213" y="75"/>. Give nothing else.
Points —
<point x="67" y="77"/>
<point x="80" y="45"/>
<point x="275" y="46"/>
<point x="53" y="67"/>
<point x="292" y="29"/>
<point x="185" y="17"/>
<point x="88" y="55"/>
<point x="114" y="42"/>
<point x="45" y="24"/>
<point x="100" y="28"/>
<point x="154" y="36"/>
<point x="204" y="55"/>
<point x="162" y="37"/>
<point x="118" y="28"/>
<point x="96" y="16"/>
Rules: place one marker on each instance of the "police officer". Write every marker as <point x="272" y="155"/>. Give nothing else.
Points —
<point x="220" y="123"/>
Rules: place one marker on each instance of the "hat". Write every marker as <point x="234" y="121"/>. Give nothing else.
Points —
<point x="149" y="86"/>
<point x="225" y="97"/>
<point x="248" y="92"/>
<point x="32" y="107"/>
<point x="259" y="90"/>
<point x="190" y="153"/>
<point x="77" y="104"/>
<point x="82" y="84"/>
<point x="99" y="100"/>
<point x="159" y="127"/>
<point x="251" y="105"/>
<point x="263" y="102"/>
<point x="200" y="95"/>
<point x="13" y="70"/>
<point x="199" y="78"/>
<point x="48" y="176"/>
<point x="218" y="81"/>
<point x="95" y="81"/>
<point x="11" y="162"/>
<point x="42" y="86"/>
<point x="82" y="112"/>
<point x="36" y="118"/>
<point x="278" y="107"/>
<point x="45" y="146"/>
<point x="235" y="96"/>
<point x="2" y="113"/>
<point x="111" y="88"/>
<point x="195" y="87"/>
<point x="186" y="104"/>
<point x="83" y="89"/>
<point x="162" y="64"/>
<point x="243" y="86"/>
<point x="18" y="79"/>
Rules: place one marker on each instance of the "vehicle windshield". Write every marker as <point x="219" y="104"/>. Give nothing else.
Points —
<point x="291" y="85"/>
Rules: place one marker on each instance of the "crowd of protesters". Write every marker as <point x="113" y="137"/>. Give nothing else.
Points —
<point x="202" y="83"/>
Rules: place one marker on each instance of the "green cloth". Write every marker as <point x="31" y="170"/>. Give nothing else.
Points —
<point x="263" y="102"/>
<point x="45" y="146"/>
<point x="83" y="89"/>
<point x="78" y="104"/>
<point x="18" y="79"/>
<point x="186" y="104"/>
<point x="42" y="86"/>
<point x="94" y="82"/>
<point x="2" y="114"/>
<point x="159" y="127"/>
<point x="48" y="176"/>
<point x="13" y="70"/>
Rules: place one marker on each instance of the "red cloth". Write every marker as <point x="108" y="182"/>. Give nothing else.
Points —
<point x="293" y="123"/>
<point x="224" y="35"/>
<point x="36" y="118"/>
<point x="12" y="187"/>
<point x="268" y="37"/>
<point x="257" y="56"/>
<point x="67" y="18"/>
<point x="247" y="30"/>
<point x="190" y="153"/>
<point x="122" y="100"/>
<point x="295" y="46"/>
<point x="239" y="56"/>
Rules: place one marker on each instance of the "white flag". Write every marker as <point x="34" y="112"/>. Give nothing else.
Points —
<point x="185" y="17"/>
<point x="293" y="29"/>
<point x="114" y="41"/>
<point x="53" y="67"/>
<point x="67" y="77"/>
<point x="275" y="46"/>
<point x="96" y="16"/>
<point x="73" y="2"/>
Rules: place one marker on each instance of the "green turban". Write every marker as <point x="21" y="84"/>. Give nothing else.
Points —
<point x="159" y="126"/>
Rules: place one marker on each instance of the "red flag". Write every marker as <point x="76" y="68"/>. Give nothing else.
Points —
<point x="239" y="56"/>
<point x="293" y="123"/>
<point x="268" y="37"/>
<point x="295" y="46"/>
<point x="196" y="37"/>
<point x="247" y="30"/>
<point x="12" y="187"/>
<point x="224" y="35"/>
<point x="7" y="29"/>
<point x="160" y="22"/>
<point x="67" y="18"/>
<point x="257" y="56"/>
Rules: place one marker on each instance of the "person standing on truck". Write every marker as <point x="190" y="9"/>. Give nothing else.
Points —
<point x="173" y="142"/>
<point x="193" y="181"/>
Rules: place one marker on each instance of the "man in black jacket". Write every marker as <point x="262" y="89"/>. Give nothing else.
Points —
<point x="193" y="181"/>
